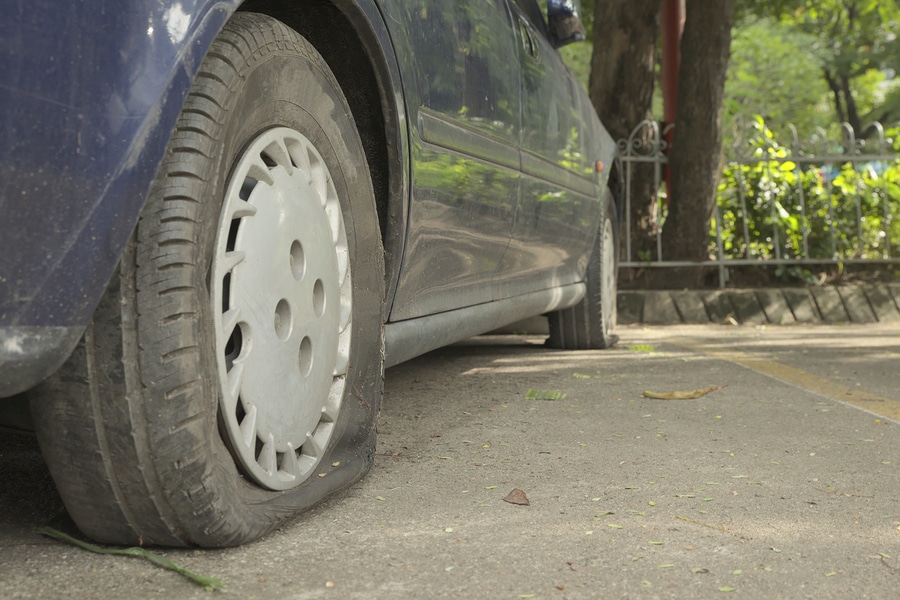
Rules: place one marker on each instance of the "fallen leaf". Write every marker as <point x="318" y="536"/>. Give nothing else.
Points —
<point x="681" y="394"/>
<point x="517" y="496"/>
<point x="641" y="348"/>
<point x="209" y="583"/>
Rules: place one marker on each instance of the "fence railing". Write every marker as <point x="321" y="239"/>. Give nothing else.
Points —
<point x="821" y="202"/>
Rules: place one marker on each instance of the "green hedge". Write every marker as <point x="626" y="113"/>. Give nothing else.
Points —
<point x="846" y="208"/>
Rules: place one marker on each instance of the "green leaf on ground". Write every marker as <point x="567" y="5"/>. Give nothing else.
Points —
<point x="209" y="583"/>
<point x="642" y="348"/>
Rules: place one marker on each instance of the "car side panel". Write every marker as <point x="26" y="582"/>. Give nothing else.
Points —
<point x="460" y="77"/>
<point x="560" y="203"/>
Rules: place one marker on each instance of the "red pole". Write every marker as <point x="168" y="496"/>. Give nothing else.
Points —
<point x="672" y="27"/>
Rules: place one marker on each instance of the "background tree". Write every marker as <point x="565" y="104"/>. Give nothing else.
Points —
<point x="854" y="44"/>
<point x="762" y="81"/>
<point x="695" y="159"/>
<point x="812" y="63"/>
<point x="625" y="35"/>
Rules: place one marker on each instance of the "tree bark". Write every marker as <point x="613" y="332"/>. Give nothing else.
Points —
<point x="696" y="154"/>
<point x="852" y="112"/>
<point x="621" y="89"/>
<point x="836" y="92"/>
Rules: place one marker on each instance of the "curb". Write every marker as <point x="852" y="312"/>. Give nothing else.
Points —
<point x="852" y="304"/>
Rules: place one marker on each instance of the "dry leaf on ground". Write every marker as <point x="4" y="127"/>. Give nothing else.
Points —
<point x="517" y="496"/>
<point x="682" y="394"/>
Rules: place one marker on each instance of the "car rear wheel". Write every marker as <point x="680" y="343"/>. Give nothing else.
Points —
<point x="591" y="323"/>
<point x="231" y="376"/>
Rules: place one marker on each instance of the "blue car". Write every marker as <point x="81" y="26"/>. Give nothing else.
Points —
<point x="222" y="220"/>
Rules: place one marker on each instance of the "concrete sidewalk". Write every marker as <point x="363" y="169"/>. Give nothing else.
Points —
<point x="849" y="304"/>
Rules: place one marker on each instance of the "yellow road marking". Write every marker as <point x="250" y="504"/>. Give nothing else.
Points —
<point x="804" y="379"/>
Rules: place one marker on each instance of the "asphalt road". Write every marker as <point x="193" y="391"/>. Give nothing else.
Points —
<point x="781" y="483"/>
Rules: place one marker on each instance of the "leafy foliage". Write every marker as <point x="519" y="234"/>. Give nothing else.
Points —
<point x="762" y="81"/>
<point x="778" y="204"/>
<point x="854" y="45"/>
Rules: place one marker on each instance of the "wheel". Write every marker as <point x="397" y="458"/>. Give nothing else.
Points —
<point x="231" y="375"/>
<point x="591" y="323"/>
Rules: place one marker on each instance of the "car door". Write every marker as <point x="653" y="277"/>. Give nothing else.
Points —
<point x="459" y="60"/>
<point x="558" y="209"/>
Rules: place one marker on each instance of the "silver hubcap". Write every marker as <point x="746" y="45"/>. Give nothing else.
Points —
<point x="608" y="277"/>
<point x="281" y="298"/>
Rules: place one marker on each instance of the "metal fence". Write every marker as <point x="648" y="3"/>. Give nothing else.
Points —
<point x="822" y="201"/>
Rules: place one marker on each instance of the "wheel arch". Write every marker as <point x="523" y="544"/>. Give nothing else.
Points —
<point x="352" y="38"/>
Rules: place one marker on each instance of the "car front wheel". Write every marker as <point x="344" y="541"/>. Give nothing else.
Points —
<point x="231" y="376"/>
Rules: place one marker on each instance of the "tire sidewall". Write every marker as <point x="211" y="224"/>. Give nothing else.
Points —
<point x="607" y="281"/>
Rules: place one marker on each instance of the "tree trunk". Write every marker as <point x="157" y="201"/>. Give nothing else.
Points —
<point x="836" y="92"/>
<point x="621" y="89"/>
<point x="695" y="157"/>
<point x="852" y="112"/>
